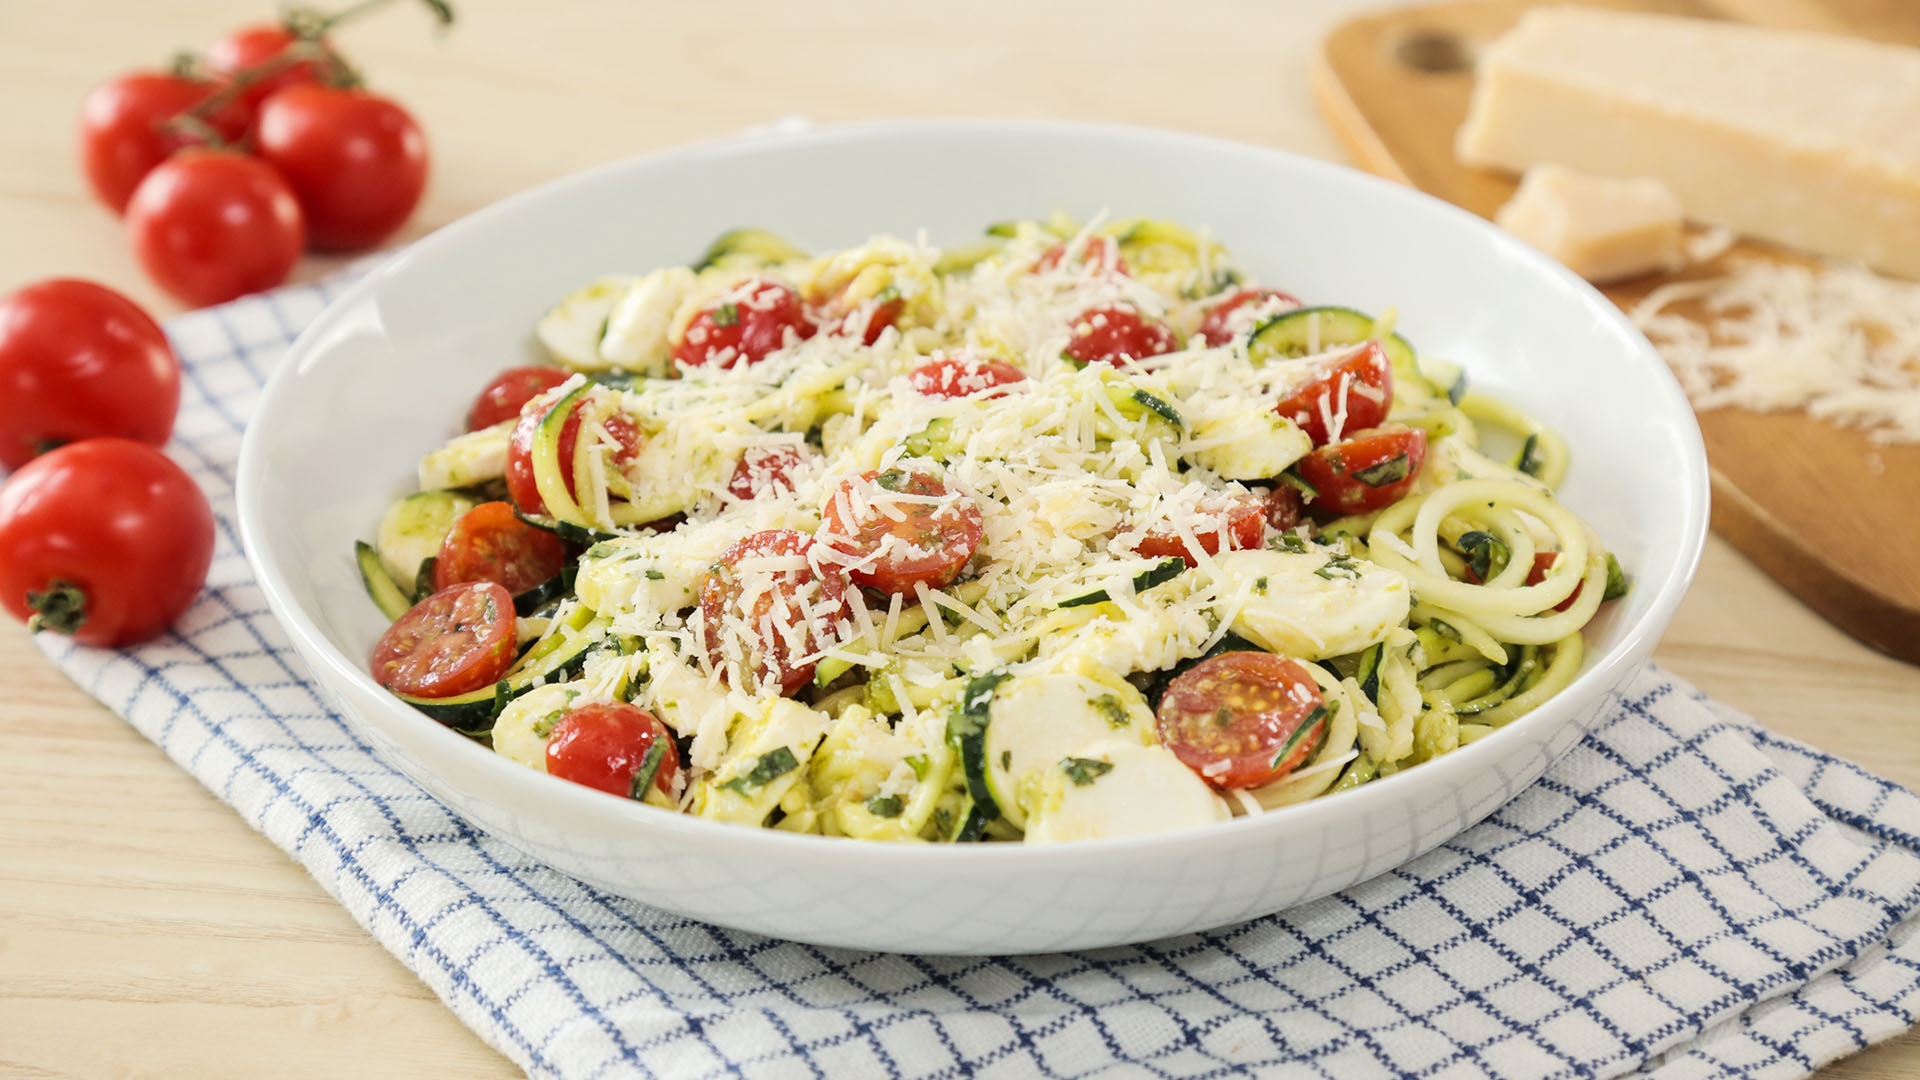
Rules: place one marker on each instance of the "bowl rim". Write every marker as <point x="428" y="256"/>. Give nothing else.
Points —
<point x="1443" y="773"/>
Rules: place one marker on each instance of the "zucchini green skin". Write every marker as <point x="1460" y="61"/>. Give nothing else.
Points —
<point x="474" y="713"/>
<point x="566" y="530"/>
<point x="386" y="595"/>
<point x="1168" y="569"/>
<point x="746" y="248"/>
<point x="967" y="731"/>
<point x="1290" y="334"/>
<point x="555" y="587"/>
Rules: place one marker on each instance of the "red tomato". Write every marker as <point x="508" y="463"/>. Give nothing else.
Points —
<point x="123" y="132"/>
<point x="253" y="46"/>
<point x="521" y="486"/>
<point x="1242" y="719"/>
<point x="356" y="161"/>
<point x="769" y="622"/>
<point x="106" y="540"/>
<point x="453" y="642"/>
<point x="489" y="544"/>
<point x="753" y="320"/>
<point x="1354" y="391"/>
<point x="1100" y="254"/>
<point x="211" y="225"/>
<point x="1240" y="312"/>
<point x="1107" y="333"/>
<point x="508" y="393"/>
<point x="1239" y="520"/>
<point x="927" y="545"/>
<point x="963" y="375"/>
<point x="766" y="470"/>
<point x="80" y="361"/>
<point x="868" y="321"/>
<point x="1284" y="508"/>
<point x="1368" y="471"/>
<point x="604" y="747"/>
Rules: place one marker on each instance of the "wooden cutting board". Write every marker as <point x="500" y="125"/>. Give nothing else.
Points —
<point x="1828" y="513"/>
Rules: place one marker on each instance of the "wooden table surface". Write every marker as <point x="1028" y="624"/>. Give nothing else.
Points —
<point x="144" y="929"/>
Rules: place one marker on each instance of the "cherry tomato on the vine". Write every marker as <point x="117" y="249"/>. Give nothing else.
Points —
<point x="1242" y="719"/>
<point x="261" y="44"/>
<point x="211" y="225"/>
<point x="604" y="746"/>
<point x="80" y="361"/>
<point x="356" y="161"/>
<point x="503" y="398"/>
<point x="106" y="540"/>
<point x="124" y="129"/>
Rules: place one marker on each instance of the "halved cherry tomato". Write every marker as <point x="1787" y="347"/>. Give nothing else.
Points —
<point x="1543" y="561"/>
<point x="211" y="225"/>
<point x="1234" y="523"/>
<point x="79" y="361"/>
<point x="1110" y="332"/>
<point x="1353" y="391"/>
<point x="603" y="746"/>
<point x="489" y="544"/>
<point x="508" y="393"/>
<point x="1241" y="312"/>
<point x="865" y="321"/>
<point x="1368" y="471"/>
<point x="521" y="486"/>
<point x="958" y="375"/>
<point x="928" y="544"/>
<point x="1242" y="719"/>
<point x="752" y="320"/>
<point x="769" y="622"/>
<point x="356" y="161"/>
<point x="124" y="133"/>
<point x="1100" y="254"/>
<point x="453" y="642"/>
<point x="260" y="44"/>
<point x="1284" y="508"/>
<point x="767" y="471"/>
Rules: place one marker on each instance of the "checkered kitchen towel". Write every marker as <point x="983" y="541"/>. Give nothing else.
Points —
<point x="1684" y="894"/>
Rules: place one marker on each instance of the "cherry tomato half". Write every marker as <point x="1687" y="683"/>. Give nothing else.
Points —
<point x="1543" y="561"/>
<point x="958" y="375"/>
<point x="1242" y="719"/>
<point x="1100" y="254"/>
<point x="453" y="642"/>
<point x="767" y="471"/>
<point x="489" y="544"/>
<point x="867" y="321"/>
<point x="211" y="225"/>
<point x="123" y="132"/>
<point x="106" y="540"/>
<point x="1233" y="523"/>
<point x="751" y="321"/>
<point x="1284" y="508"/>
<point x="1353" y="392"/>
<point x="261" y="44"/>
<point x="928" y="543"/>
<point x="1367" y="471"/>
<point x="521" y="486"/>
<point x="604" y="746"/>
<point x="356" y="161"/>
<point x="1242" y="311"/>
<point x="79" y="361"/>
<point x="769" y="621"/>
<point x="508" y="393"/>
<point x="1111" y="332"/>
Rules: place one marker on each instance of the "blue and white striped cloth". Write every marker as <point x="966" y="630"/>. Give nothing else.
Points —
<point x="1685" y="894"/>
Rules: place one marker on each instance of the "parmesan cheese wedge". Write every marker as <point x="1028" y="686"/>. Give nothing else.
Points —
<point x="1805" y="139"/>
<point x="1600" y="228"/>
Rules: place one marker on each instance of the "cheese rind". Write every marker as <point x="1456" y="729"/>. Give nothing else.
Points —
<point x="1601" y="228"/>
<point x="1804" y="139"/>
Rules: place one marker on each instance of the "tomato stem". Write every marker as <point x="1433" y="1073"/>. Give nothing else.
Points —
<point x="311" y="24"/>
<point x="61" y="608"/>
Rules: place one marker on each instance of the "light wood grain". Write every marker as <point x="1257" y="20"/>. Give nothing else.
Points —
<point x="144" y="929"/>
<point x="1796" y="495"/>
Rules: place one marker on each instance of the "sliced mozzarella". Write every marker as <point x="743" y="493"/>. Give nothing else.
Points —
<point x="1311" y="605"/>
<point x="1253" y="444"/>
<point x="520" y="733"/>
<point x="413" y="529"/>
<point x="466" y="460"/>
<point x="635" y="337"/>
<point x="1140" y="790"/>
<point x="767" y="753"/>
<point x="571" y="330"/>
<point x="645" y="578"/>
<point x="1035" y="720"/>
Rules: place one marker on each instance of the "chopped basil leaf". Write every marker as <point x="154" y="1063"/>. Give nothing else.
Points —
<point x="887" y="806"/>
<point x="726" y="315"/>
<point x="643" y="777"/>
<point x="891" y="480"/>
<point x="1292" y="542"/>
<point x="1617" y="583"/>
<point x="1006" y="760"/>
<point x="1115" y="712"/>
<point x="772" y="764"/>
<point x="1260" y="585"/>
<point x="1529" y="460"/>
<point x="1084" y="771"/>
<point x="1391" y="471"/>
<point x="1339" y="566"/>
<point x="919" y="764"/>
<point x="600" y="550"/>
<point x="1485" y="553"/>
<point x="655" y="575"/>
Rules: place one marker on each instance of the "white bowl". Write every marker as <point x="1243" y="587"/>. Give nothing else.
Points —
<point x="384" y="375"/>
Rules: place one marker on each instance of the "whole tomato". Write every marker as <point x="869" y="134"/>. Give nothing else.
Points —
<point x="210" y="225"/>
<point x="106" y="540"/>
<point x="79" y="361"/>
<point x="356" y="161"/>
<point x="124" y="132"/>
<point x="262" y="43"/>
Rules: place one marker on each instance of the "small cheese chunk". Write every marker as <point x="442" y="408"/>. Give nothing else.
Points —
<point x="1804" y="139"/>
<point x="1601" y="228"/>
<point x="1116" y="788"/>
